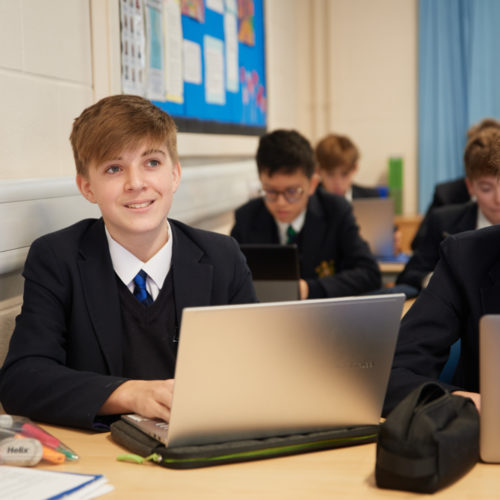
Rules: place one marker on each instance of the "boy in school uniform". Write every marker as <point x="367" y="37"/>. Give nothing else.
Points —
<point x="337" y="164"/>
<point x="464" y="286"/>
<point x="452" y="192"/>
<point x="334" y="260"/>
<point x="103" y="299"/>
<point x="482" y="170"/>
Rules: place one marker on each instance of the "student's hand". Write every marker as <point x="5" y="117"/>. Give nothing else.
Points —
<point x="472" y="395"/>
<point x="149" y="398"/>
<point x="303" y="289"/>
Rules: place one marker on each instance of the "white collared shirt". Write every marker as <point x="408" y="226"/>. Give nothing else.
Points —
<point x="348" y="195"/>
<point x="482" y="221"/>
<point x="127" y="265"/>
<point x="297" y="224"/>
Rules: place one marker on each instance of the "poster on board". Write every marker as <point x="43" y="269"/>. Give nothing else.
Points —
<point x="203" y="61"/>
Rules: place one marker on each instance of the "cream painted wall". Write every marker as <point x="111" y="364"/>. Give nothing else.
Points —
<point x="45" y="81"/>
<point x="342" y="65"/>
<point x="372" y="47"/>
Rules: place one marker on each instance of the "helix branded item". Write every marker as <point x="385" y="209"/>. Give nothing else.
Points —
<point x="275" y="375"/>
<point x="21" y="428"/>
<point x="275" y="271"/>
<point x="20" y="451"/>
<point x="430" y="439"/>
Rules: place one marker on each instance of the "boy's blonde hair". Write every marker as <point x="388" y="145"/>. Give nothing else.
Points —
<point x="334" y="151"/>
<point x="482" y="154"/>
<point x="117" y="123"/>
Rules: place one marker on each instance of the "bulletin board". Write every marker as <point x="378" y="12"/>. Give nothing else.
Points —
<point x="202" y="61"/>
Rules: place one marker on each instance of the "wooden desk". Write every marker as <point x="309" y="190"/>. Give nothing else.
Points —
<point x="391" y="267"/>
<point x="390" y="271"/>
<point x="408" y="226"/>
<point x="408" y="303"/>
<point x="345" y="473"/>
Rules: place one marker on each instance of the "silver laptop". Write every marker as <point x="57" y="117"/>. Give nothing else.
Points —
<point x="257" y="370"/>
<point x="375" y="218"/>
<point x="275" y="271"/>
<point x="489" y="375"/>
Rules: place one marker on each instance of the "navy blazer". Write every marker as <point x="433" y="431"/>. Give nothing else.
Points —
<point x="334" y="259"/>
<point x="442" y="222"/>
<point x="65" y="356"/>
<point x="446" y="193"/>
<point x="465" y="286"/>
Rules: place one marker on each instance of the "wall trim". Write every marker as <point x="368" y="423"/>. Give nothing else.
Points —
<point x="30" y="208"/>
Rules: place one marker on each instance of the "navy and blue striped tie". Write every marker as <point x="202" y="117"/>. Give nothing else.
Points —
<point x="140" y="291"/>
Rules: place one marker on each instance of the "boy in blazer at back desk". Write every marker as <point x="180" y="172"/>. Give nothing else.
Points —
<point x="98" y="331"/>
<point x="334" y="260"/>
<point x="482" y="169"/>
<point x="337" y="164"/>
<point x="465" y="284"/>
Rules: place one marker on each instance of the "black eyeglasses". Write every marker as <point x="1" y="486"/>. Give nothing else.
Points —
<point x="292" y="195"/>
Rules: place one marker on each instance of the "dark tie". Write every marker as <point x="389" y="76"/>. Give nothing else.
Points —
<point x="290" y="235"/>
<point x="140" y="292"/>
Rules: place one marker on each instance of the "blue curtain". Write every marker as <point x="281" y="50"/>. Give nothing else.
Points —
<point x="459" y="83"/>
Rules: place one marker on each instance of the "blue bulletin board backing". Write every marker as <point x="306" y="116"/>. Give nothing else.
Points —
<point x="243" y="108"/>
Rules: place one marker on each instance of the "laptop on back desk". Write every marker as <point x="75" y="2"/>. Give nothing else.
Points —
<point x="258" y="370"/>
<point x="375" y="218"/>
<point x="275" y="271"/>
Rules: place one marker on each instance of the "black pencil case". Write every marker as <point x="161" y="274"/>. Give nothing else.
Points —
<point x="189" y="457"/>
<point x="430" y="439"/>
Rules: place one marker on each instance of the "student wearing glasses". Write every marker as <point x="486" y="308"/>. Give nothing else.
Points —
<point x="334" y="260"/>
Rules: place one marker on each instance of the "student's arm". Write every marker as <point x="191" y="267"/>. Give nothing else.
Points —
<point x="356" y="270"/>
<point x="422" y="228"/>
<point x="50" y="375"/>
<point x="427" y="332"/>
<point x="426" y="255"/>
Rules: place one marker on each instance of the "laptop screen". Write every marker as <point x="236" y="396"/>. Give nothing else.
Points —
<point x="256" y="370"/>
<point x="489" y="375"/>
<point x="275" y="271"/>
<point x="375" y="218"/>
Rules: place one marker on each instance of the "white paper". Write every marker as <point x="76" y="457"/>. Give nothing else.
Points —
<point x="174" y="84"/>
<point x="155" y="88"/>
<point x="24" y="483"/>
<point x="232" y="6"/>
<point x="231" y="39"/>
<point x="216" y="5"/>
<point x="133" y="44"/>
<point x="214" y="70"/>
<point x="192" y="62"/>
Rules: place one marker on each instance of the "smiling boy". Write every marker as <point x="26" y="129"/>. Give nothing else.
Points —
<point x="482" y="169"/>
<point x="334" y="260"/>
<point x="98" y="332"/>
<point x="465" y="284"/>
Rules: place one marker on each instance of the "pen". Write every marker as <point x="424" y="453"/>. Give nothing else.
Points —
<point x="29" y="429"/>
